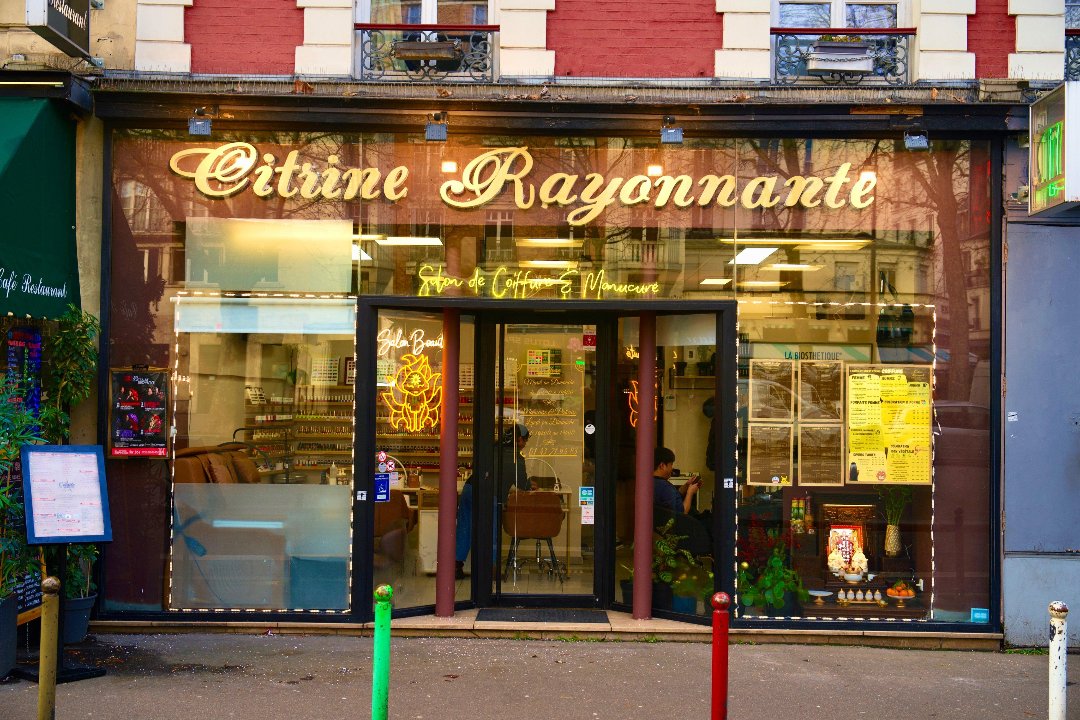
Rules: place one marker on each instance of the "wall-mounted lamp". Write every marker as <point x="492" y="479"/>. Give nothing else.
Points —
<point x="199" y="122"/>
<point x="435" y="130"/>
<point x="916" y="139"/>
<point x="669" y="134"/>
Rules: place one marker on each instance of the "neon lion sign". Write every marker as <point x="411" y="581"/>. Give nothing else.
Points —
<point x="414" y="396"/>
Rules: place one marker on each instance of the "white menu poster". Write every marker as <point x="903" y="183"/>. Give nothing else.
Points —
<point x="66" y="500"/>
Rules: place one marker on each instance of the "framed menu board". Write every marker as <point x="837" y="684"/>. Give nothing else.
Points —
<point x="65" y="494"/>
<point x="821" y="391"/>
<point x="821" y="455"/>
<point x="889" y="438"/>
<point x="772" y="390"/>
<point x="768" y="455"/>
<point x="138" y="413"/>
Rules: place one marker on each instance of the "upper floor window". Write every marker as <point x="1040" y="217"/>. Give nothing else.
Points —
<point x="1072" y="14"/>
<point x="426" y="12"/>
<point x="837" y="14"/>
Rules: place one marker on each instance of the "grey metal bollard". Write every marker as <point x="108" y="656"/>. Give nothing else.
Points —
<point x="1058" y="643"/>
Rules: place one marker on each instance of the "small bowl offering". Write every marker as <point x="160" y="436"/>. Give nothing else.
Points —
<point x="819" y="595"/>
<point x="853" y="578"/>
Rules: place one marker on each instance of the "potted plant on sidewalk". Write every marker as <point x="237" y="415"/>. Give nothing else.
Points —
<point x="18" y="427"/>
<point x="72" y="354"/>
<point x="675" y="572"/>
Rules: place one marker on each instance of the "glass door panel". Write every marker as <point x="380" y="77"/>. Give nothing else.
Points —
<point x="687" y="359"/>
<point x="543" y="459"/>
<point x="408" y="422"/>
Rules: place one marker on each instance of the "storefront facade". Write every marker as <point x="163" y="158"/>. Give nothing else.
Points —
<point x="352" y="321"/>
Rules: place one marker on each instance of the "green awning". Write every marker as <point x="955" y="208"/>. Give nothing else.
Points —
<point x="39" y="269"/>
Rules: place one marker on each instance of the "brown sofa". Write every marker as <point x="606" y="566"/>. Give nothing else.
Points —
<point x="225" y="463"/>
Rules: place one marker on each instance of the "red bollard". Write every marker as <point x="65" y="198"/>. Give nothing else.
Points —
<point x="720" y="602"/>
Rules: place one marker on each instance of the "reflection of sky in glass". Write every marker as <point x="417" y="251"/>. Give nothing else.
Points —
<point x="820" y="15"/>
<point x="870" y="16"/>
<point x="1072" y="14"/>
<point x="805" y="15"/>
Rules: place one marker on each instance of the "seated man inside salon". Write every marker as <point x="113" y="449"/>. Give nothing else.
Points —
<point x="676" y="502"/>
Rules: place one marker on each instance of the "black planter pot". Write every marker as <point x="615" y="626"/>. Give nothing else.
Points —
<point x="627" y="587"/>
<point x="789" y="609"/>
<point x="77" y="618"/>
<point x="9" y="618"/>
<point x="661" y="596"/>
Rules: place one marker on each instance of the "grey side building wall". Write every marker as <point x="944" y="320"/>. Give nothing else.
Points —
<point x="1042" y="423"/>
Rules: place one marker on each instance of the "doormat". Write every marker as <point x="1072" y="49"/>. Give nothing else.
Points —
<point x="541" y="615"/>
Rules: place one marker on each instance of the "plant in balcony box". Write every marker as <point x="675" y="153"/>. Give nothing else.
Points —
<point x="840" y="54"/>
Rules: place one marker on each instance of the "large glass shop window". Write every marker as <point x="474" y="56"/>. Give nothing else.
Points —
<point x="861" y="271"/>
<point x="262" y="474"/>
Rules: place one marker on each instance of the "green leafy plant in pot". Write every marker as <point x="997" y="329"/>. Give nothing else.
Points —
<point x="675" y="571"/>
<point x="772" y="584"/>
<point x="72" y="355"/>
<point x="18" y="427"/>
<point x="895" y="499"/>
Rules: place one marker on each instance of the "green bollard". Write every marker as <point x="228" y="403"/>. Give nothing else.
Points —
<point x="380" y="681"/>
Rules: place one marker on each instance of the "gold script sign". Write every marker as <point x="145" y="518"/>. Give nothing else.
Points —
<point x="228" y="169"/>
<point x="514" y="284"/>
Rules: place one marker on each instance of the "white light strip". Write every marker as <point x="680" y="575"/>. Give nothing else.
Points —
<point x="752" y="256"/>
<point x="715" y="281"/>
<point x="792" y="267"/>
<point x="550" y="242"/>
<point x="410" y="241"/>
<point x="548" y="263"/>
<point x="761" y="284"/>
<point x="249" y="524"/>
<point x="823" y="242"/>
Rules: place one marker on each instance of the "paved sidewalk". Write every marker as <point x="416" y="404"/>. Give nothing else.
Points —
<point x="289" y="677"/>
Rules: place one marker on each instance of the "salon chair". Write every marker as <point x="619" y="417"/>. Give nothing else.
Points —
<point x="533" y="516"/>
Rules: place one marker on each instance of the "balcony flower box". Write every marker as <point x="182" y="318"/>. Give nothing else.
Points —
<point x="428" y="50"/>
<point x="827" y="57"/>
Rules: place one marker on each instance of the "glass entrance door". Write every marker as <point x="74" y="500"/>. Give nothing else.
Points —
<point x="543" y="457"/>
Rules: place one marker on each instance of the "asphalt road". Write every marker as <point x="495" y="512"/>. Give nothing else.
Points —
<point x="288" y="677"/>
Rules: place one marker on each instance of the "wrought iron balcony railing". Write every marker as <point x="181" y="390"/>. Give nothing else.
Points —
<point x="841" y="55"/>
<point x="427" y="53"/>
<point x="1072" y="54"/>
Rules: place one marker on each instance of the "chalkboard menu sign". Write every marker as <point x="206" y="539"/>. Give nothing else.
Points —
<point x="65" y="494"/>
<point x="28" y="596"/>
<point x="138" y="424"/>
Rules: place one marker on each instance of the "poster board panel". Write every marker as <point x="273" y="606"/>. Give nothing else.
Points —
<point x="821" y="391"/>
<point x="821" y="455"/>
<point x="65" y="494"/>
<point x="768" y="455"/>
<point x="889" y="437"/>
<point x="772" y="390"/>
<point x="138" y="413"/>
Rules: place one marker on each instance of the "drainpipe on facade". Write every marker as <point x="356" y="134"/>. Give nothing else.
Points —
<point x="643" y="486"/>
<point x="448" y="460"/>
